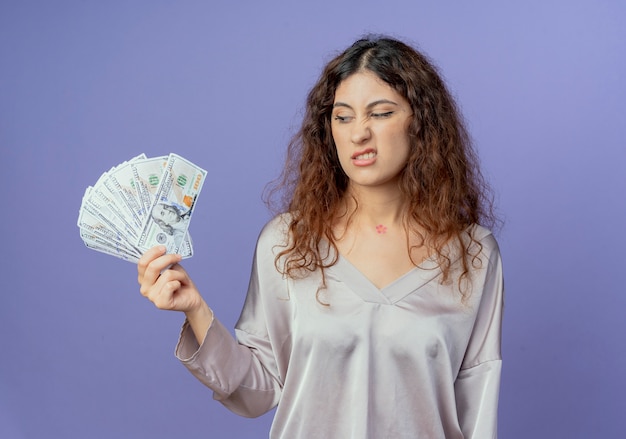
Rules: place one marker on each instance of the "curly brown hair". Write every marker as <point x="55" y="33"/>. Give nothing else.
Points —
<point x="442" y="185"/>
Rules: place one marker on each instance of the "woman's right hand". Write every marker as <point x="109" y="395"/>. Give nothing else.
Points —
<point x="166" y="284"/>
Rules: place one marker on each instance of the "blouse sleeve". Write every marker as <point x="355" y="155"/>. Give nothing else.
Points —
<point x="478" y="382"/>
<point x="242" y="373"/>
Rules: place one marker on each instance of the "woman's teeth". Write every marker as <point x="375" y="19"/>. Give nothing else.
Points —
<point x="367" y="155"/>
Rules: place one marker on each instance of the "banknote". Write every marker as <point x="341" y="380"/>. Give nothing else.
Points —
<point x="147" y="176"/>
<point x="100" y="234"/>
<point x="172" y="208"/>
<point x="102" y="205"/>
<point x="121" y="183"/>
<point x="115" y="211"/>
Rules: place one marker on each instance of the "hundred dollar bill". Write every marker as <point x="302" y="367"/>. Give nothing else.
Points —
<point x="104" y="192"/>
<point x="147" y="176"/>
<point x="102" y="207"/>
<point x="113" y="212"/>
<point x="171" y="211"/>
<point x="186" y="248"/>
<point x="121" y="183"/>
<point x="101" y="234"/>
<point x="94" y="228"/>
<point x="103" y="249"/>
<point x="96" y="242"/>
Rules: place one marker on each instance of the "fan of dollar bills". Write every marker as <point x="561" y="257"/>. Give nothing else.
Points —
<point x="139" y="204"/>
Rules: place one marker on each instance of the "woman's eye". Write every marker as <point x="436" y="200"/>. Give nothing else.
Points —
<point x="342" y="119"/>
<point x="382" y="115"/>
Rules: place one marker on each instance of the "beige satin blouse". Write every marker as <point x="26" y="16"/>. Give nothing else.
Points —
<point x="408" y="361"/>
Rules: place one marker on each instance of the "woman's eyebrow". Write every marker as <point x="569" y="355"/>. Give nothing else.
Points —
<point x="341" y="104"/>
<point x="370" y="105"/>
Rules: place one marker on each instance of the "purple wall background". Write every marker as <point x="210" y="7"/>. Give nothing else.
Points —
<point x="86" y="85"/>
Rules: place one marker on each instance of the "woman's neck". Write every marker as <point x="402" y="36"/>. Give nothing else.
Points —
<point x="380" y="207"/>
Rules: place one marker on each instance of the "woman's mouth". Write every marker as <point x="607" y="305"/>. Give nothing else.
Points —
<point x="364" y="158"/>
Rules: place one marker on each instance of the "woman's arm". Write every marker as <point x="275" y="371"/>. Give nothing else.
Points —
<point x="478" y="382"/>
<point x="166" y="284"/>
<point x="243" y="373"/>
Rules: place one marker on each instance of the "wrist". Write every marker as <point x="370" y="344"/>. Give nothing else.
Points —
<point x="200" y="312"/>
<point x="200" y="319"/>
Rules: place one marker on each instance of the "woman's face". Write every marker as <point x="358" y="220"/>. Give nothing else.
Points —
<point x="369" y="126"/>
<point x="166" y="214"/>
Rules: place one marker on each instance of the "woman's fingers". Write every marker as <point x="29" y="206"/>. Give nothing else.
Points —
<point x="149" y="256"/>
<point x="146" y="259"/>
<point x="170" y="288"/>
<point x="164" y="282"/>
<point x="161" y="290"/>
<point x="153" y="262"/>
<point x="163" y="297"/>
<point x="157" y="282"/>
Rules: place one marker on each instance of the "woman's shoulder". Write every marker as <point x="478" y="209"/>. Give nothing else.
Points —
<point x="275" y="232"/>
<point x="485" y="238"/>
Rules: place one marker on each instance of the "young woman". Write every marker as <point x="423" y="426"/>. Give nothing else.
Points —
<point x="375" y="300"/>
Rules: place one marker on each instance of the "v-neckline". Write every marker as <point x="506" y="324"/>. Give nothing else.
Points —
<point x="391" y="293"/>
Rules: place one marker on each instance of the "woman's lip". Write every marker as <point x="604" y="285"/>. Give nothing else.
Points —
<point x="363" y="152"/>
<point x="364" y="158"/>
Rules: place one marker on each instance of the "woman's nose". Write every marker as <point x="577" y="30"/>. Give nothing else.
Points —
<point x="360" y="132"/>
